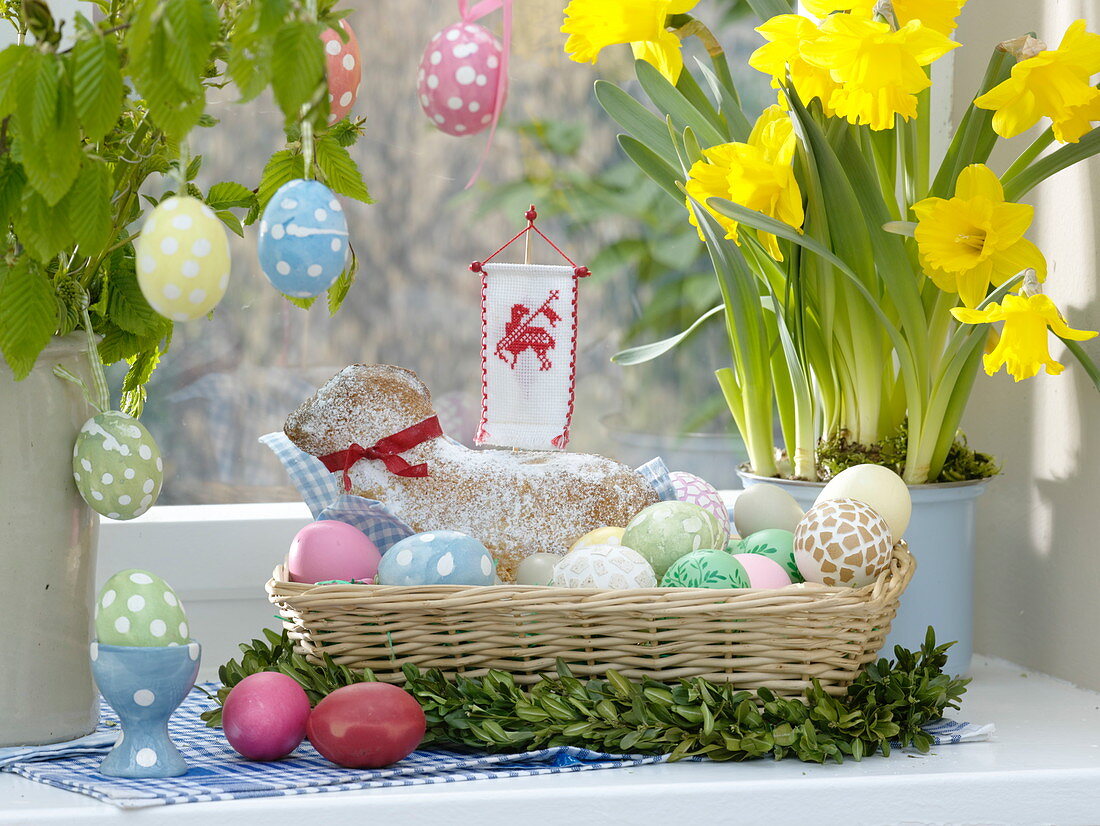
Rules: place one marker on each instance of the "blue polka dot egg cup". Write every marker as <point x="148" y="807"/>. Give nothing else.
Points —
<point x="437" y="558"/>
<point x="303" y="239"/>
<point x="144" y="685"/>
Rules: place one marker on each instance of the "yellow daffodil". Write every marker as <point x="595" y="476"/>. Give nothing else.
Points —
<point x="593" y="25"/>
<point x="786" y="34"/>
<point x="940" y="15"/>
<point x="1023" y="343"/>
<point x="976" y="238"/>
<point x="758" y="175"/>
<point x="1055" y="84"/>
<point x="878" y="69"/>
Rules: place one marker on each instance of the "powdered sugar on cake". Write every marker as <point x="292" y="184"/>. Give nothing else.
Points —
<point x="515" y="502"/>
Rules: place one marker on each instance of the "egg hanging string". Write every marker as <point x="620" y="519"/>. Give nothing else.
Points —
<point x="470" y="14"/>
<point x="305" y="123"/>
<point x="98" y="396"/>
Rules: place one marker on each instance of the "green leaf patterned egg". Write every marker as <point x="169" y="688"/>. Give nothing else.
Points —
<point x="666" y="531"/>
<point x="117" y="465"/>
<point x="776" y="544"/>
<point x="139" y="609"/>
<point x="707" y="568"/>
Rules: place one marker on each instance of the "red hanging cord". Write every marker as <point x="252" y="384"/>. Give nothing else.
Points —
<point x="531" y="215"/>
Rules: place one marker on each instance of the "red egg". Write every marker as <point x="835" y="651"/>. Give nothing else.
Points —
<point x="265" y="716"/>
<point x="343" y="69"/>
<point x="367" y="725"/>
<point x="457" y="81"/>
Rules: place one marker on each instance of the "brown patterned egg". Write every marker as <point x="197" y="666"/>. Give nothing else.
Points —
<point x="842" y="542"/>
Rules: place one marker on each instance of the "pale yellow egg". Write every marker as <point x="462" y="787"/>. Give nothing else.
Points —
<point x="182" y="259"/>
<point x="600" y="536"/>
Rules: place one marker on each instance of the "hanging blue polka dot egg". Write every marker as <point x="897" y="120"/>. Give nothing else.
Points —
<point x="303" y="239"/>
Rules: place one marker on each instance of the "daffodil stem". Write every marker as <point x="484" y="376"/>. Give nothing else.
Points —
<point x="1045" y="139"/>
<point x="1087" y="363"/>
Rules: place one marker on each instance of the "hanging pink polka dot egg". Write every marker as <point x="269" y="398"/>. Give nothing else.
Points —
<point x="457" y="81"/>
<point x="344" y="70"/>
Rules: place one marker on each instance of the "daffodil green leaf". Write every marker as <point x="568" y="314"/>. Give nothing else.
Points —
<point x="647" y="352"/>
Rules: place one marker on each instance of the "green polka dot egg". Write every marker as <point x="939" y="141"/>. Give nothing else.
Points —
<point x="706" y="568"/>
<point x="139" y="609"/>
<point x="117" y="465"/>
<point x="182" y="259"/>
<point x="777" y="545"/>
<point x="666" y="531"/>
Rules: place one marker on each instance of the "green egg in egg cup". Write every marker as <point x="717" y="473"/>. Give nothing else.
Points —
<point x="144" y="664"/>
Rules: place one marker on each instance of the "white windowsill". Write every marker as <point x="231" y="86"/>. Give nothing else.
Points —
<point x="1042" y="767"/>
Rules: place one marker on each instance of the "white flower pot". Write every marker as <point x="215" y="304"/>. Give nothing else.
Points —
<point x="47" y="556"/>
<point x="941" y="539"/>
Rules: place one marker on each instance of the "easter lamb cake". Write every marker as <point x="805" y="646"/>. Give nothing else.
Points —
<point x="516" y="503"/>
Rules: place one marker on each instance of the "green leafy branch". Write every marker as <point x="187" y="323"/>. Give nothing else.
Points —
<point x="890" y="700"/>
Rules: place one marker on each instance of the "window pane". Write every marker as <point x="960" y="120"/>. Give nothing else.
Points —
<point x="231" y="379"/>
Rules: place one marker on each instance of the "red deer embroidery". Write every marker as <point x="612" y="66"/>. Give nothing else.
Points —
<point x="520" y="336"/>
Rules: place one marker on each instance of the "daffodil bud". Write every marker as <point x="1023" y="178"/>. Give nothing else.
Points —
<point x="1023" y="47"/>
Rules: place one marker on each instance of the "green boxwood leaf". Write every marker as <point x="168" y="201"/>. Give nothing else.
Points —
<point x="97" y="84"/>
<point x="28" y="314"/>
<point x="339" y="171"/>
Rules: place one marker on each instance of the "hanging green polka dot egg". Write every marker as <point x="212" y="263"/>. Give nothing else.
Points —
<point x="138" y="608"/>
<point x="117" y="465"/>
<point x="182" y="259"/>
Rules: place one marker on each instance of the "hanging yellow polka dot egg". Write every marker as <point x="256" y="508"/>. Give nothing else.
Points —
<point x="117" y="466"/>
<point x="183" y="259"/>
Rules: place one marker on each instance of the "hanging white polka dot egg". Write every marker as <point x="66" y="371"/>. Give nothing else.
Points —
<point x="138" y="608"/>
<point x="182" y="258"/>
<point x="458" y="76"/>
<point x="303" y="238"/>
<point x="343" y="69"/>
<point x="117" y="465"/>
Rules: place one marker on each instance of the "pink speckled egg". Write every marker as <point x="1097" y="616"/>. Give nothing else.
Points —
<point x="457" y="81"/>
<point x="343" y="69"/>
<point x="328" y="550"/>
<point x="690" y="488"/>
<point x="763" y="572"/>
<point x="265" y="716"/>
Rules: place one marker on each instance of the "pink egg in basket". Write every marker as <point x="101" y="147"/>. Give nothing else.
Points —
<point x="690" y="488"/>
<point x="330" y="550"/>
<point x="457" y="81"/>
<point x="763" y="572"/>
<point x="344" y="70"/>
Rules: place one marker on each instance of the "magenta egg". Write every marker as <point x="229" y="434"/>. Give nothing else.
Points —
<point x="328" y="550"/>
<point x="344" y="70"/>
<point x="457" y="81"/>
<point x="265" y="716"/>
<point x="690" y="488"/>
<point x="763" y="572"/>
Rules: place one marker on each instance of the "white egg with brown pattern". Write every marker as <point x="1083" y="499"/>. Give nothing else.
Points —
<point x="842" y="542"/>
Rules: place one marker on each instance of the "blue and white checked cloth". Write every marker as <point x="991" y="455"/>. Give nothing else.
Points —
<point x="219" y="773"/>
<point x="321" y="490"/>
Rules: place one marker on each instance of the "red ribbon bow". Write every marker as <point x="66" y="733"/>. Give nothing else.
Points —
<point x="387" y="451"/>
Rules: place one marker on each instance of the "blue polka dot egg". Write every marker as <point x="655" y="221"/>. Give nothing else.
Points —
<point x="303" y="239"/>
<point x="437" y="558"/>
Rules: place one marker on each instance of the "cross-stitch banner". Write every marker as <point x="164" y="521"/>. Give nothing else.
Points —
<point x="528" y="355"/>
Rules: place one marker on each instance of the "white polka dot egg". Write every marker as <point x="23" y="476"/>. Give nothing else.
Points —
<point x="343" y="70"/>
<point x="458" y="77"/>
<point x="182" y="259"/>
<point x="139" y="609"/>
<point x="117" y="465"/>
<point x="437" y="558"/>
<point x="303" y="239"/>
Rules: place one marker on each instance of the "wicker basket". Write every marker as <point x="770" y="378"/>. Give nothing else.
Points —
<point x="779" y="639"/>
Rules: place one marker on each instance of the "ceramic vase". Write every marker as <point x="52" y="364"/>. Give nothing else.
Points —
<point x="144" y="686"/>
<point x="47" y="553"/>
<point x="941" y="537"/>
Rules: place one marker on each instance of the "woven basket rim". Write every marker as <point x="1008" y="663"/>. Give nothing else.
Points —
<point x="809" y="596"/>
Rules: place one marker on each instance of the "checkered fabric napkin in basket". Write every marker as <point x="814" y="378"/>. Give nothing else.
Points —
<point x="219" y="773"/>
